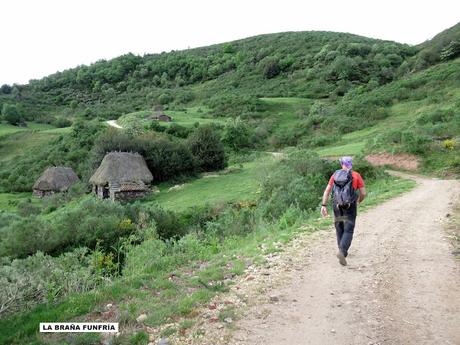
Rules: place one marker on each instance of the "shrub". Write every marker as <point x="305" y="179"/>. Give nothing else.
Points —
<point x="167" y="160"/>
<point x="449" y="144"/>
<point x="207" y="148"/>
<point x="436" y="116"/>
<point x="11" y="114"/>
<point x="88" y="222"/>
<point x="414" y="142"/>
<point x="41" y="278"/>
<point x="155" y="126"/>
<point x="298" y="181"/>
<point x="61" y="122"/>
<point x="319" y="140"/>
<point x="270" y="67"/>
<point x="178" y="131"/>
<point x="237" y="134"/>
<point x="165" y="98"/>
<point x="232" y="222"/>
<point x="168" y="224"/>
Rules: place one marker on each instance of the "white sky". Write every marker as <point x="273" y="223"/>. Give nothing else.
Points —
<point x="40" y="37"/>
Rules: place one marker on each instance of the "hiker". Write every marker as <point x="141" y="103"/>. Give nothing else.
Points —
<point x="344" y="183"/>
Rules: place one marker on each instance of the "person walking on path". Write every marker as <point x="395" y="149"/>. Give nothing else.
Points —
<point x="344" y="184"/>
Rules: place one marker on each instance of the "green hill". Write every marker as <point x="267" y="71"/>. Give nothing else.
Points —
<point x="300" y="64"/>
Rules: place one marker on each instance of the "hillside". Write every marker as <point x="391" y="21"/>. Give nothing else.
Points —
<point x="302" y="64"/>
<point x="442" y="47"/>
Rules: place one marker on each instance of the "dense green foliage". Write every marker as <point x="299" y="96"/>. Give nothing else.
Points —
<point x="207" y="148"/>
<point x="443" y="47"/>
<point x="66" y="150"/>
<point x="11" y="114"/>
<point x="305" y="64"/>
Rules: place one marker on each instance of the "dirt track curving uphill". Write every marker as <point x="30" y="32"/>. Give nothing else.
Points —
<point x="113" y="123"/>
<point x="401" y="286"/>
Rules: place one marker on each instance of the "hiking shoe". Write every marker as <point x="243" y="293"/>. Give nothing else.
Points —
<point x="341" y="258"/>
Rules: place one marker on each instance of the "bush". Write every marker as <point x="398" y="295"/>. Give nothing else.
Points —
<point x="449" y="144"/>
<point x="41" y="278"/>
<point x="436" y="116"/>
<point x="88" y="222"/>
<point x="178" y="131"/>
<point x="207" y="148"/>
<point x="237" y="134"/>
<point x="11" y="114"/>
<point x="165" y="98"/>
<point x="61" y="122"/>
<point x="413" y="142"/>
<point x="233" y="222"/>
<point x="167" y="160"/>
<point x="319" y="140"/>
<point x="298" y="181"/>
<point x="270" y="67"/>
<point x="168" y="225"/>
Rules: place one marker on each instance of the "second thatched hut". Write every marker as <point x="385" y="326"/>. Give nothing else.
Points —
<point x="121" y="176"/>
<point x="54" y="180"/>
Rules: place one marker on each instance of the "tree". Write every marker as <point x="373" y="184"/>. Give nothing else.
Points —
<point x="165" y="98"/>
<point x="228" y="48"/>
<point x="207" y="149"/>
<point x="6" y="89"/>
<point x="11" y="114"/>
<point x="271" y="67"/>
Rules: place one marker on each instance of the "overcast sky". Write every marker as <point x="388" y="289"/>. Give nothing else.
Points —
<point x="40" y="37"/>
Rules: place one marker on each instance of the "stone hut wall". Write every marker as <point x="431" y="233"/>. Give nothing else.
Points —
<point x="128" y="195"/>
<point x="42" y="193"/>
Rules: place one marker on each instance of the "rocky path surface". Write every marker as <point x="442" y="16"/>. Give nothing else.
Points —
<point x="401" y="286"/>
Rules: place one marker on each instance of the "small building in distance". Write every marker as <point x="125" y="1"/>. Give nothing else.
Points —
<point x="122" y="176"/>
<point x="159" y="115"/>
<point x="162" y="117"/>
<point x="54" y="180"/>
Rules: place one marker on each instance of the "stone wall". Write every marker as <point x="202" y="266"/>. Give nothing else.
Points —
<point x="42" y="193"/>
<point x="128" y="195"/>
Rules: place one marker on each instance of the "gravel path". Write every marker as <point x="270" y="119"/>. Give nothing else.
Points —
<point x="402" y="284"/>
<point x="113" y="123"/>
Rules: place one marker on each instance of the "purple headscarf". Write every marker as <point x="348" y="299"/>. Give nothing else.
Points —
<point x="347" y="161"/>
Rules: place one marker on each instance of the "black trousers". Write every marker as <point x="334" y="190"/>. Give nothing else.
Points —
<point x="344" y="221"/>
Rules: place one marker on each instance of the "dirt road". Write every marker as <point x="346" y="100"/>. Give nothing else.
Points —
<point x="113" y="123"/>
<point x="402" y="284"/>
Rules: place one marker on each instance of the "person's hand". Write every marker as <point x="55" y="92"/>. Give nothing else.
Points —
<point x="324" y="211"/>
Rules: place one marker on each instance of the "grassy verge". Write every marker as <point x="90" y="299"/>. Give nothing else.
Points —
<point x="169" y="280"/>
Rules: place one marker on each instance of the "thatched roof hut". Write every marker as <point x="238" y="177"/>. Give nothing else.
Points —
<point x="54" y="180"/>
<point x="121" y="175"/>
